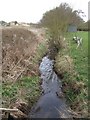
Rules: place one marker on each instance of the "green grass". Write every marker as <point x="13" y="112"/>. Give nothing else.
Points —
<point x="75" y="78"/>
<point x="41" y="51"/>
<point x="80" y="55"/>
<point x="80" y="75"/>
<point x="26" y="89"/>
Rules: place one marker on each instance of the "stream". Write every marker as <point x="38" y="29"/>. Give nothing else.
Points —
<point x="52" y="102"/>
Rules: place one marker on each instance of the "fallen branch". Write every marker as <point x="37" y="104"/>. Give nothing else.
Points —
<point x="8" y="110"/>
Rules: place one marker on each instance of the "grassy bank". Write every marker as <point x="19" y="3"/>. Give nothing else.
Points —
<point x="72" y="63"/>
<point x="26" y="88"/>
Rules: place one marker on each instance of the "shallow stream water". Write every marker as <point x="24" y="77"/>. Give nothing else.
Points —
<point x="52" y="102"/>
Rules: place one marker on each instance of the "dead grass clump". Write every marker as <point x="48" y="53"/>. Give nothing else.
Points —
<point x="18" y="48"/>
<point x="63" y="64"/>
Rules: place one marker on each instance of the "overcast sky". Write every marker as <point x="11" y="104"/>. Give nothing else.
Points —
<point x="32" y="10"/>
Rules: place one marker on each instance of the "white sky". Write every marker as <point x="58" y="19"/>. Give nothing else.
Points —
<point x="32" y="10"/>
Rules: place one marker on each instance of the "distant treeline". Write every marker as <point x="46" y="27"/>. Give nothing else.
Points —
<point x="58" y="19"/>
<point x="83" y="29"/>
<point x="84" y="26"/>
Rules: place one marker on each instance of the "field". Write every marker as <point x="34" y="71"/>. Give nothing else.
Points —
<point x="80" y="56"/>
<point x="23" y="50"/>
<point x="75" y="72"/>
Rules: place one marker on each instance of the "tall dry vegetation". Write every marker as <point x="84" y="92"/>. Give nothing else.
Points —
<point x="18" y="49"/>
